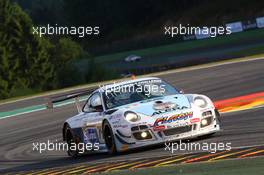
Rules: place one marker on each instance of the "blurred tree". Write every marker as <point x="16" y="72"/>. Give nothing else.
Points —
<point x="66" y="50"/>
<point x="25" y="60"/>
<point x="6" y="72"/>
<point x="122" y="21"/>
<point x="43" y="11"/>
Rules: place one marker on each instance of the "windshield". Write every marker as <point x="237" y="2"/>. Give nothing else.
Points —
<point x="138" y="91"/>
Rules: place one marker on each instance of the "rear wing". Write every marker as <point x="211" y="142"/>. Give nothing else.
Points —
<point x="64" y="99"/>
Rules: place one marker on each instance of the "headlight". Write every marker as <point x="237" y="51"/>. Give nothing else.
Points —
<point x="144" y="134"/>
<point x="200" y="101"/>
<point x="204" y="122"/>
<point x="131" y="116"/>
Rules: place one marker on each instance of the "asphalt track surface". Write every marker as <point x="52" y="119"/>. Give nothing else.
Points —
<point x="244" y="128"/>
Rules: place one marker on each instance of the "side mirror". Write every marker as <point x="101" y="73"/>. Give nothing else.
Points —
<point x="99" y="108"/>
<point x="181" y="91"/>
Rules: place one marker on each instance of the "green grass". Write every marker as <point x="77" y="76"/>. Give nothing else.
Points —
<point x="181" y="47"/>
<point x="175" y="53"/>
<point x="249" y="51"/>
<point x="251" y="166"/>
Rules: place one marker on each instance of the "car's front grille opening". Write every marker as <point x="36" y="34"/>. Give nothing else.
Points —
<point x="207" y="113"/>
<point x="194" y="126"/>
<point x="140" y="127"/>
<point x="178" y="130"/>
<point x="135" y="128"/>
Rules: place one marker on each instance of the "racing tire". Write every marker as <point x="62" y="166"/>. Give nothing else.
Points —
<point x="109" y="138"/>
<point x="71" y="140"/>
<point x="218" y="121"/>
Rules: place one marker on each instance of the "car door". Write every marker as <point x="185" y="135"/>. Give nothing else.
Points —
<point x="93" y="110"/>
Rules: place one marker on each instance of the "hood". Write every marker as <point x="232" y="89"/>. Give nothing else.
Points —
<point x="158" y="105"/>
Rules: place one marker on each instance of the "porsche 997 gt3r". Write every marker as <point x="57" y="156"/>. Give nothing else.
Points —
<point x="137" y="113"/>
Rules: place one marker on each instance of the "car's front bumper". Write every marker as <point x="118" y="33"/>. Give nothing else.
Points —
<point x="192" y="130"/>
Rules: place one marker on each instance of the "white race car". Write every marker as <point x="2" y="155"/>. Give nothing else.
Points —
<point x="133" y="58"/>
<point x="137" y="113"/>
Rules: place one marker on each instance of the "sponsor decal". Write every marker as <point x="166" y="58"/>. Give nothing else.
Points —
<point x="116" y="116"/>
<point x="116" y="122"/>
<point x="177" y="107"/>
<point x="260" y="22"/>
<point x="90" y="135"/>
<point x="159" y="128"/>
<point x="174" y="118"/>
<point x="120" y="126"/>
<point x="178" y="125"/>
<point x="195" y="120"/>
<point x="140" y="123"/>
<point x="235" y="27"/>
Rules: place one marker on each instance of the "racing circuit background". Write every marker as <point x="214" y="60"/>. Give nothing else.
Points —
<point x="244" y="129"/>
<point x="228" y="69"/>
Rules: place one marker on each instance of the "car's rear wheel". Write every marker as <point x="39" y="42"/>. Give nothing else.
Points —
<point x="109" y="138"/>
<point x="71" y="141"/>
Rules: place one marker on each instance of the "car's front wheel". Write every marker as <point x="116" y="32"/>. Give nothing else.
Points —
<point x="109" y="138"/>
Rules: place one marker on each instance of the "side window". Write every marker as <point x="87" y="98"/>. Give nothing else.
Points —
<point x="94" y="104"/>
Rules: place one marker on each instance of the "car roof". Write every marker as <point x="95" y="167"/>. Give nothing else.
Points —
<point x="115" y="84"/>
